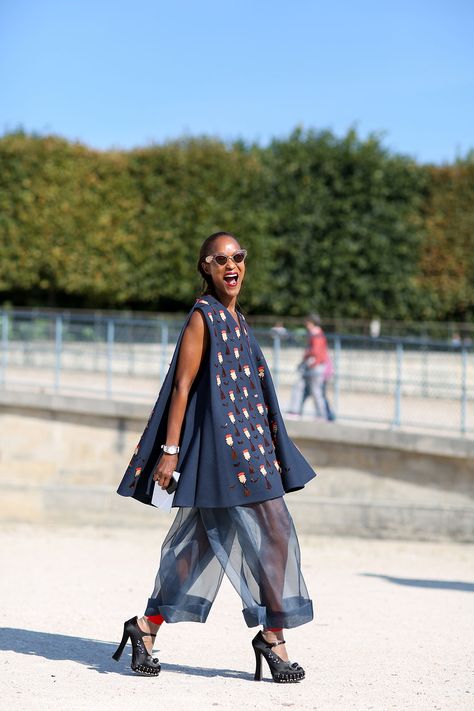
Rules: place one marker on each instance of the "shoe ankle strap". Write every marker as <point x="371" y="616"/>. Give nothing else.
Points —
<point x="142" y="633"/>
<point x="270" y="645"/>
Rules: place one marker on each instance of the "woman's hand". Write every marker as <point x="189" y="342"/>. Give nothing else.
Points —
<point x="164" y="469"/>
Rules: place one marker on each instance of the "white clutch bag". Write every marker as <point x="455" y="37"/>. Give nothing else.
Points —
<point x="163" y="498"/>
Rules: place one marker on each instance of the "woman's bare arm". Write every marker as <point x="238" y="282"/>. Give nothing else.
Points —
<point x="193" y="347"/>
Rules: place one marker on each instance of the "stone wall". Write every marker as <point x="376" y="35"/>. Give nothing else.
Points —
<point x="61" y="459"/>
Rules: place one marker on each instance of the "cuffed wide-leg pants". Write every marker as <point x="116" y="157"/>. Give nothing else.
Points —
<point x="255" y="545"/>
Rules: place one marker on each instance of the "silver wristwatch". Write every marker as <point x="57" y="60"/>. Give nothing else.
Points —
<point x="170" y="448"/>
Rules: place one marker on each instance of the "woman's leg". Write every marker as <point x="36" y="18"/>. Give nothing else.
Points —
<point x="276" y="528"/>
<point x="317" y="379"/>
<point x="329" y="413"/>
<point x="257" y="546"/>
<point x="188" y="578"/>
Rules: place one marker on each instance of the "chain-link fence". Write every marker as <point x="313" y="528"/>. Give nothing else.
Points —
<point x="402" y="383"/>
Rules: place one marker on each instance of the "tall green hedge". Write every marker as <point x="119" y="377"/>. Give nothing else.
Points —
<point x="338" y="225"/>
<point x="446" y="272"/>
<point x="346" y="226"/>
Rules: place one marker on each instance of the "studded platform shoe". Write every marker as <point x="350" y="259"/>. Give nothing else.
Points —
<point x="282" y="672"/>
<point x="142" y="661"/>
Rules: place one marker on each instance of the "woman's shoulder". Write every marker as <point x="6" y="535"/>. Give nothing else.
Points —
<point x="204" y="303"/>
<point x="204" y="306"/>
<point x="202" y="312"/>
<point x="194" y="327"/>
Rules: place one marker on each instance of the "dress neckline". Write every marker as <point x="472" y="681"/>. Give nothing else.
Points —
<point x="238" y="320"/>
<point x="235" y="319"/>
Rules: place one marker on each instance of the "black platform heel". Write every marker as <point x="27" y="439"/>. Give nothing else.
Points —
<point x="142" y="661"/>
<point x="282" y="672"/>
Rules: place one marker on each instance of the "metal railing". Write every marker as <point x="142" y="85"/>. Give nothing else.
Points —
<point x="395" y="382"/>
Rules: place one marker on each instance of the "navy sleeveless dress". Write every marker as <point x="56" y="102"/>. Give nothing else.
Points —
<point x="236" y="461"/>
<point x="234" y="447"/>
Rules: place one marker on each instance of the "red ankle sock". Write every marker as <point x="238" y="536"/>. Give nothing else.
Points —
<point x="274" y="629"/>
<point x="156" y="619"/>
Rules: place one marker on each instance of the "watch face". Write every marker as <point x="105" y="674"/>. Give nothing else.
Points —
<point x="171" y="449"/>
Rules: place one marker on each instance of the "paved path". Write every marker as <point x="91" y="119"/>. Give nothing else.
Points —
<point x="393" y="628"/>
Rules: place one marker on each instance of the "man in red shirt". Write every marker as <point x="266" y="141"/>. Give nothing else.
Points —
<point x="313" y="369"/>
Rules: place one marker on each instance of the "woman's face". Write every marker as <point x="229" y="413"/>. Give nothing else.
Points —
<point x="227" y="278"/>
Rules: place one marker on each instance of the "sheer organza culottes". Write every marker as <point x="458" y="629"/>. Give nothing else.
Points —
<point x="255" y="545"/>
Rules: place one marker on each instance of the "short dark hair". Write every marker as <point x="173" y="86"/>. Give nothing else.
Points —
<point x="314" y="318"/>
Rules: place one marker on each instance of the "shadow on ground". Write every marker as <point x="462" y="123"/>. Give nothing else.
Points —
<point x="93" y="653"/>
<point x="418" y="583"/>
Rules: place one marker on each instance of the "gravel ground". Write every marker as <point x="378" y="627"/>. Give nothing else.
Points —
<point x="393" y="628"/>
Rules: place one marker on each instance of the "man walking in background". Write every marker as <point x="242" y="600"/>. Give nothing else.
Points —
<point x="312" y="369"/>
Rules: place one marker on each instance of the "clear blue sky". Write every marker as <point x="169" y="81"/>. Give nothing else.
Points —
<point x="121" y="73"/>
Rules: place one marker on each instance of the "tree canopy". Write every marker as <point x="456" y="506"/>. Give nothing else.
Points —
<point x="339" y="225"/>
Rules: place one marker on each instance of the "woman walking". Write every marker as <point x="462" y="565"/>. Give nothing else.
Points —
<point x="218" y="423"/>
